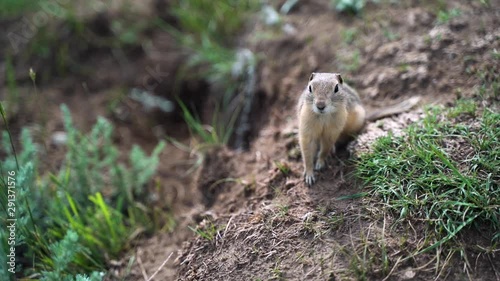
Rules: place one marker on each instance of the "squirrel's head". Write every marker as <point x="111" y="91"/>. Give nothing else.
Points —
<point x="325" y="91"/>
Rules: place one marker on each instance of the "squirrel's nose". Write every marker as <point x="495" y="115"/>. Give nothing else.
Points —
<point x="320" y="106"/>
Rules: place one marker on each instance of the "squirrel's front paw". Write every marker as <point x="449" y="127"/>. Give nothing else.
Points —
<point x="309" y="178"/>
<point x="320" y="164"/>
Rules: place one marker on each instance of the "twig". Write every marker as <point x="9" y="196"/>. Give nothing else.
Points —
<point x="227" y="226"/>
<point x="139" y="261"/>
<point x="494" y="268"/>
<point x="159" y="268"/>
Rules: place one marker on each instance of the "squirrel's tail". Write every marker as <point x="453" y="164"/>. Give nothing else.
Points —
<point x="393" y="109"/>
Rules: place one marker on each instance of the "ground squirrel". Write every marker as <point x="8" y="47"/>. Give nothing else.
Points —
<point x="330" y="111"/>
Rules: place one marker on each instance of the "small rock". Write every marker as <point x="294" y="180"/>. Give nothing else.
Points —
<point x="372" y="92"/>
<point x="414" y="58"/>
<point x="309" y="216"/>
<point x="421" y="44"/>
<point x="441" y="32"/>
<point x="387" y="75"/>
<point x="479" y="44"/>
<point x="270" y="16"/>
<point x="416" y="74"/>
<point x="289" y="29"/>
<point x="387" y="50"/>
<point x="294" y="153"/>
<point x="59" y="138"/>
<point x="409" y="274"/>
<point x="370" y="79"/>
<point x="418" y="17"/>
<point x="441" y="36"/>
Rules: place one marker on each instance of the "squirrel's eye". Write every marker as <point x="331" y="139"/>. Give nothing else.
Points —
<point x="310" y="89"/>
<point x="336" y="88"/>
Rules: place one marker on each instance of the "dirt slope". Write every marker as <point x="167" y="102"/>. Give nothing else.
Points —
<point x="270" y="225"/>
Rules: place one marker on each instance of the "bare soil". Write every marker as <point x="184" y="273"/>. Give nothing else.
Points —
<point x="271" y="226"/>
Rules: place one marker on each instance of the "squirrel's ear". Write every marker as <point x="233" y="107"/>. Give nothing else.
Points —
<point x="339" y="78"/>
<point x="312" y="76"/>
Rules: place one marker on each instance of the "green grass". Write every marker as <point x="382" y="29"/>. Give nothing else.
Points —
<point x="443" y="172"/>
<point x="277" y="272"/>
<point x="463" y="106"/>
<point x="218" y="133"/>
<point x="489" y="81"/>
<point x="209" y="231"/>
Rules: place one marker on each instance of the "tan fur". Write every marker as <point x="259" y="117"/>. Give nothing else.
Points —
<point x="327" y="116"/>
<point x="322" y="131"/>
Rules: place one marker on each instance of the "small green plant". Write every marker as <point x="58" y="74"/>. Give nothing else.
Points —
<point x="93" y="158"/>
<point x="390" y="35"/>
<point x="349" y="61"/>
<point x="277" y="272"/>
<point x="283" y="210"/>
<point x="349" y="35"/>
<point x="335" y="221"/>
<point x="208" y="231"/>
<point x="485" y="2"/>
<point x="444" y="17"/>
<point x="283" y="167"/>
<point x="215" y="134"/>
<point x="63" y="253"/>
<point x="348" y="6"/>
